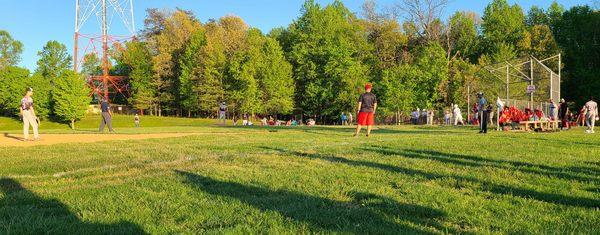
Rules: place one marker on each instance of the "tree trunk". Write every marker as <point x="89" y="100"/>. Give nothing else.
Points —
<point x="73" y="124"/>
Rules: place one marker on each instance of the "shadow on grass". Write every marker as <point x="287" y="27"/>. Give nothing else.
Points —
<point x="23" y="212"/>
<point x="364" y="214"/>
<point x="562" y="141"/>
<point x="475" y="161"/>
<point x="9" y="136"/>
<point x="349" y="130"/>
<point x="481" y="184"/>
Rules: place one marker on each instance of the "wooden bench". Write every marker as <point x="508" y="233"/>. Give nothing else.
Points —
<point x="544" y="125"/>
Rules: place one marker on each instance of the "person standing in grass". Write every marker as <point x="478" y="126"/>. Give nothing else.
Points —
<point x="485" y="119"/>
<point x="367" y="105"/>
<point x="136" y="120"/>
<point x="457" y="116"/>
<point x="344" y="119"/>
<point x="591" y="115"/>
<point x="223" y="113"/>
<point x="106" y="118"/>
<point x="563" y="110"/>
<point x="350" y="118"/>
<point x="29" y="117"/>
<point x="481" y="105"/>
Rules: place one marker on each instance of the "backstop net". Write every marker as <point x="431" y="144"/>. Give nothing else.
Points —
<point x="524" y="83"/>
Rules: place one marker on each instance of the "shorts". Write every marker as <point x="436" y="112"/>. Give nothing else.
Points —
<point x="366" y="118"/>
<point x="221" y="114"/>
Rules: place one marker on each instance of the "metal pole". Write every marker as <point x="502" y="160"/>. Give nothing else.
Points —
<point x="76" y="37"/>
<point x="507" y="82"/>
<point x="559" y="70"/>
<point x="132" y="18"/>
<point x="468" y="102"/>
<point x="104" y="51"/>
<point x="531" y="78"/>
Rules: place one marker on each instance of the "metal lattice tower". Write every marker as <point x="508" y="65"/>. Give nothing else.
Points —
<point x="105" y="12"/>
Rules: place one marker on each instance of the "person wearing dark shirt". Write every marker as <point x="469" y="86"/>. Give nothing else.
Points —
<point x="106" y="118"/>
<point x="485" y="118"/>
<point x="367" y="105"/>
<point x="563" y="109"/>
<point x="481" y="106"/>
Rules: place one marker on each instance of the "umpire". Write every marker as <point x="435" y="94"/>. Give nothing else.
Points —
<point x="481" y="105"/>
<point x="106" y="118"/>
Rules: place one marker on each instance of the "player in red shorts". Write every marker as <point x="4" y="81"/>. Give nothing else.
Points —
<point x="367" y="104"/>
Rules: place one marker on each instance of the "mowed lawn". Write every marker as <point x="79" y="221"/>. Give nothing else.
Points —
<point x="304" y="180"/>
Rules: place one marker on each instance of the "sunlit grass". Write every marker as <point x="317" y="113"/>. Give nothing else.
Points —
<point x="304" y="180"/>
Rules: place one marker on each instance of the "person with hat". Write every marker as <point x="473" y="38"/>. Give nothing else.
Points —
<point x="591" y="115"/>
<point x="223" y="112"/>
<point x="106" y="118"/>
<point x="29" y="117"/>
<point x="481" y="105"/>
<point x="367" y="105"/>
<point x="457" y="116"/>
<point x="563" y="110"/>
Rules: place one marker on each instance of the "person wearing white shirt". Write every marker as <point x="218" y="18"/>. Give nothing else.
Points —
<point x="457" y="115"/>
<point x="591" y="115"/>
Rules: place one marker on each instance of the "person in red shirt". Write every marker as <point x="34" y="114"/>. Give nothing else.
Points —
<point x="367" y="105"/>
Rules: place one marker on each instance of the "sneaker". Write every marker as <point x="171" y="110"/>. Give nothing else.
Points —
<point x="25" y="140"/>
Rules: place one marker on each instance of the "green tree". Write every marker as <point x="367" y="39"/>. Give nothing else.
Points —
<point x="137" y="58"/>
<point x="433" y="69"/>
<point x="190" y="76"/>
<point x="328" y="49"/>
<point x="242" y="85"/>
<point x="463" y="39"/>
<point x="167" y="34"/>
<point x="10" y="50"/>
<point x="42" y="90"/>
<point x="536" y="16"/>
<point x="397" y="86"/>
<point x="276" y="81"/>
<point x="91" y="65"/>
<point x="54" y="59"/>
<point x="71" y="97"/>
<point x="13" y="82"/>
<point x="503" y="25"/>
<point x="581" y="52"/>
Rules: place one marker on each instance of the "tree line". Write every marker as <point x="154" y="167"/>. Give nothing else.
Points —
<point x="318" y="64"/>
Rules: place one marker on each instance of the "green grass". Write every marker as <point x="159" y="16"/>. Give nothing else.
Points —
<point x="305" y="180"/>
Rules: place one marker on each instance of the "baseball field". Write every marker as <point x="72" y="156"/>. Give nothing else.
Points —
<point x="192" y="176"/>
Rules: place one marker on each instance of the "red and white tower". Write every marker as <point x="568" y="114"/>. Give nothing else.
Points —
<point x="90" y="39"/>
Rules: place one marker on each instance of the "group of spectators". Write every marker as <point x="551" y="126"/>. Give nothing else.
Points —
<point x="512" y="116"/>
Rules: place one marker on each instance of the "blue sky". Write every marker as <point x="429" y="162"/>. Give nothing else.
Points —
<point x="34" y="22"/>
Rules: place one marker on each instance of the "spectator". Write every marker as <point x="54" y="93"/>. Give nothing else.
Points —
<point x="447" y="117"/>
<point x="136" y="120"/>
<point x="245" y="119"/>
<point x="344" y="119"/>
<point x="430" y="117"/>
<point x="223" y="113"/>
<point x="553" y="111"/>
<point x="563" y="110"/>
<point x="591" y="115"/>
<point x="415" y="116"/>
<point x="263" y="121"/>
<point x="457" y="115"/>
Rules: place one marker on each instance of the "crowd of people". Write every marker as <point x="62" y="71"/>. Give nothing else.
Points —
<point x="509" y="117"/>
